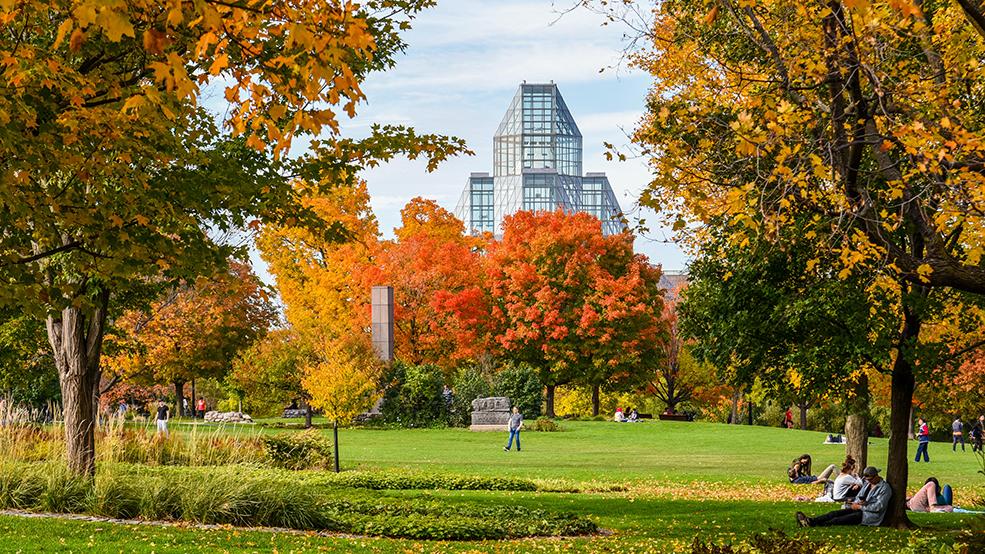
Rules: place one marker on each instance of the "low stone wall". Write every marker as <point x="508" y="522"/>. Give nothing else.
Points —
<point x="228" y="417"/>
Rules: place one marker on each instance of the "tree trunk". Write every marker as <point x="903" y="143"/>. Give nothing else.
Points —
<point x="595" y="400"/>
<point x="734" y="416"/>
<point x="857" y="438"/>
<point x="307" y="414"/>
<point x="909" y="425"/>
<point x="76" y="339"/>
<point x="750" y="412"/>
<point x="179" y="395"/>
<point x="903" y="384"/>
<point x="857" y="423"/>
<point x="803" y="415"/>
<point x="194" y="406"/>
<point x="549" y="401"/>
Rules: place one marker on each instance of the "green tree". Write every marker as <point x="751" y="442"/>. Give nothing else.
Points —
<point x="862" y="114"/>
<point x="757" y="313"/>
<point x="112" y="176"/>
<point x="27" y="370"/>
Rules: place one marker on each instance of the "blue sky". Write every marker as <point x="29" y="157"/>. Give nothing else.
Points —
<point x="463" y="65"/>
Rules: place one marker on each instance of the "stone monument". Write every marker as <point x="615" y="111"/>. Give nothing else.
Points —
<point x="382" y="318"/>
<point x="490" y="414"/>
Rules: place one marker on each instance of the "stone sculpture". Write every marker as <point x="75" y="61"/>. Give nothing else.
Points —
<point x="490" y="414"/>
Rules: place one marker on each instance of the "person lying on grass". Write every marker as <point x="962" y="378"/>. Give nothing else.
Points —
<point x="930" y="498"/>
<point x="869" y="507"/>
<point x="844" y="488"/>
<point x="799" y="472"/>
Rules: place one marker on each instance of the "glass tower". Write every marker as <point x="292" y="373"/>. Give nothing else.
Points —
<point x="537" y="166"/>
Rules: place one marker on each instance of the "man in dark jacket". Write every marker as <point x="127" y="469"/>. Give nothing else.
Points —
<point x="869" y="507"/>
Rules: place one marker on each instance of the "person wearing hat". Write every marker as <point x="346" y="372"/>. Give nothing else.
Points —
<point x="869" y="507"/>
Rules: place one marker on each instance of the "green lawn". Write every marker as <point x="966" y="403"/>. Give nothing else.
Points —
<point x="682" y="479"/>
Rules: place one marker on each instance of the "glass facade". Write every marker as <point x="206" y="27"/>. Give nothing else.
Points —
<point x="537" y="166"/>
<point x="475" y="208"/>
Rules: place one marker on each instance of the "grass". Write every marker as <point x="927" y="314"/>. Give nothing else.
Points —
<point x="682" y="479"/>
<point x="643" y="453"/>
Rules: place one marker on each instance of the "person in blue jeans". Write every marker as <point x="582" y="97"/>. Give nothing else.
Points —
<point x="514" y="425"/>
<point x="957" y="434"/>
<point x="923" y="436"/>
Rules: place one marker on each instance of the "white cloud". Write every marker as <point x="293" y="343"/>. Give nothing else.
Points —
<point x="464" y="62"/>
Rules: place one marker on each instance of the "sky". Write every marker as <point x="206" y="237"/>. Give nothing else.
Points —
<point x="463" y="65"/>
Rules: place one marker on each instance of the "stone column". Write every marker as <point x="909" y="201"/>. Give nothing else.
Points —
<point x="383" y="322"/>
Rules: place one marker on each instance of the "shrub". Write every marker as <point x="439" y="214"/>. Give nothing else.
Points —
<point x="304" y="450"/>
<point x="522" y="385"/>
<point x="141" y="446"/>
<point x="772" y="542"/>
<point x="469" y="385"/>
<point x="392" y="481"/>
<point x="545" y="424"/>
<point x="413" y="396"/>
<point x="241" y="496"/>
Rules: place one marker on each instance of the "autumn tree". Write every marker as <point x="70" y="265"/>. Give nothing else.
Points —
<point x="112" y="174"/>
<point x="436" y="271"/>
<point x="673" y="381"/>
<point x="319" y="278"/>
<point x="862" y="114"/>
<point x="571" y="302"/>
<point x="269" y="372"/>
<point x="191" y="331"/>
<point x="341" y="379"/>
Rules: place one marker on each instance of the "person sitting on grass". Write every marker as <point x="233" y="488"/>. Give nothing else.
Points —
<point x="799" y="472"/>
<point x="930" y="498"/>
<point x="620" y="417"/>
<point x="869" y="507"/>
<point x="845" y="486"/>
<point x="634" y="416"/>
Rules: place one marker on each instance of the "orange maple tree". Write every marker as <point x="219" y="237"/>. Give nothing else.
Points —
<point x="436" y="271"/>
<point x="192" y="331"/>
<point x="575" y="304"/>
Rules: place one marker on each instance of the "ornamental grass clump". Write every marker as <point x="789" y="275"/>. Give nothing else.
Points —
<point x="119" y="443"/>
<point x="305" y="450"/>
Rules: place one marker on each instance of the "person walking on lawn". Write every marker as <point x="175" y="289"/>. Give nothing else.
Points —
<point x="514" y="425"/>
<point x="957" y="434"/>
<point x="162" y="418"/>
<point x="869" y="507"/>
<point x="923" y="436"/>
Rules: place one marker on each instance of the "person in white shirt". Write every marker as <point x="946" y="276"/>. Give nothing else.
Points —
<point x="845" y="486"/>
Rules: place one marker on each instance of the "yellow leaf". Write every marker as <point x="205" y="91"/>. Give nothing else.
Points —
<point x="63" y="30"/>
<point x="924" y="272"/>
<point x="141" y="219"/>
<point x="221" y="62"/>
<point x="115" y="24"/>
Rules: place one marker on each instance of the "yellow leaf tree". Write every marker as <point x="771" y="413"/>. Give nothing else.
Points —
<point x="342" y="380"/>
<point x="853" y="127"/>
